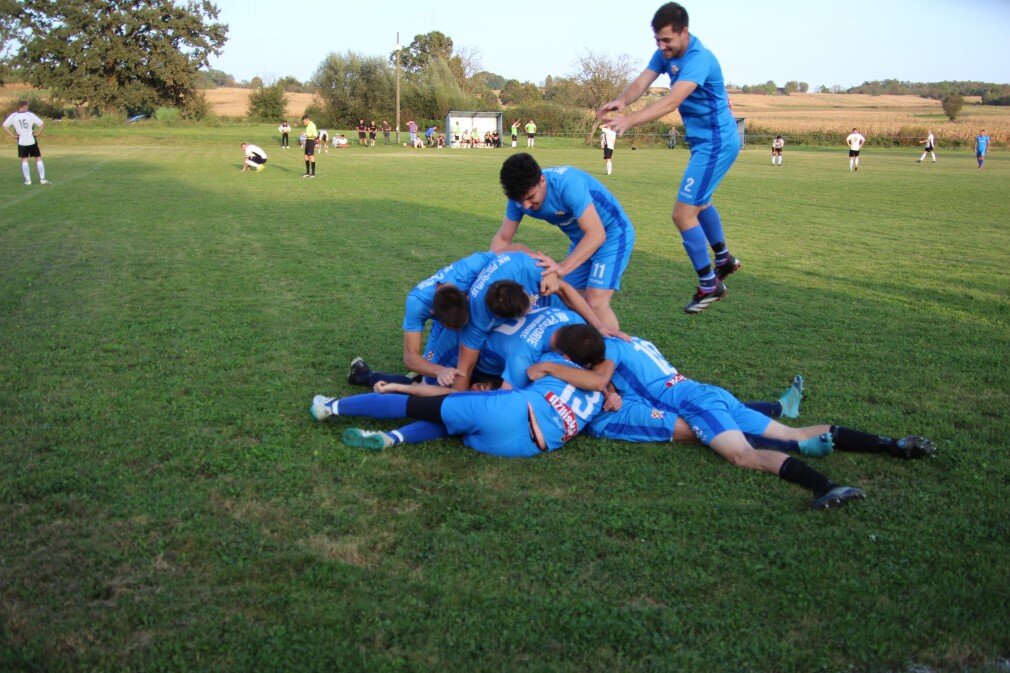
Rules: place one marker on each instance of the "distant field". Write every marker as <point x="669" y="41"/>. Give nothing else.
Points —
<point x="167" y="505"/>
<point x="234" y="102"/>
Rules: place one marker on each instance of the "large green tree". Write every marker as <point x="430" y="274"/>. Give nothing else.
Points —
<point x="353" y="86"/>
<point x="423" y="48"/>
<point x="116" y="54"/>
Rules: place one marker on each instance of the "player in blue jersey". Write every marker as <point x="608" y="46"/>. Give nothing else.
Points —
<point x="510" y="423"/>
<point x="440" y="298"/>
<point x="521" y="268"/>
<point x="721" y="421"/>
<point x="601" y="234"/>
<point x="698" y="91"/>
<point x="981" y="147"/>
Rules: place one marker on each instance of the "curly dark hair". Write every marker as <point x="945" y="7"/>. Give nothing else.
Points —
<point x="519" y="174"/>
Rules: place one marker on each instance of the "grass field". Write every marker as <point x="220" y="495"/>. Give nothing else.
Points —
<point x="167" y="505"/>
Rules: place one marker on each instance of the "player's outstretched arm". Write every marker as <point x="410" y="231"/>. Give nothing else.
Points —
<point x="465" y="365"/>
<point x="575" y="301"/>
<point x="667" y="104"/>
<point x="594" y="235"/>
<point x="416" y="389"/>
<point x="503" y="237"/>
<point x="596" y="378"/>
<point x="631" y="93"/>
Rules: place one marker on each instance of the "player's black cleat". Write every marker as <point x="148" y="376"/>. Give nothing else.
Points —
<point x="914" y="447"/>
<point x="731" y="265"/>
<point x="837" y="497"/>
<point x="702" y="300"/>
<point x="360" y="371"/>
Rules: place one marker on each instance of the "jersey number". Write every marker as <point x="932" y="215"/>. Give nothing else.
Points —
<point x="583" y="407"/>
<point x="653" y="354"/>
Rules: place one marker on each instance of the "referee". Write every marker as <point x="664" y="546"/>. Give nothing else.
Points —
<point x="311" y="133"/>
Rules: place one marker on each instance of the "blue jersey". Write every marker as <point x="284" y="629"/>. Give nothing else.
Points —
<point x="569" y="192"/>
<point x="561" y="410"/>
<point x="982" y="142"/>
<point x="460" y="273"/>
<point x="516" y="344"/>
<point x="642" y="369"/>
<point x="706" y="111"/>
<point x="515" y="266"/>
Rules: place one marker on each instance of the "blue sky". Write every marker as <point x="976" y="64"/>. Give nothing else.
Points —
<point x="815" y="41"/>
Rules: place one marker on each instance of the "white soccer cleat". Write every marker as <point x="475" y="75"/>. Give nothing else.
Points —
<point x="322" y="407"/>
<point x="28" y="182"/>
<point x="44" y="182"/>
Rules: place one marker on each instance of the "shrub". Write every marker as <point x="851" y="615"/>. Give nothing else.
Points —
<point x="952" y="106"/>
<point x="167" y="115"/>
<point x="268" y="103"/>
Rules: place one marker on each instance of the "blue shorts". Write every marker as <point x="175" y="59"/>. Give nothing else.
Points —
<point x="604" y="269"/>
<point x="635" y="421"/>
<point x="495" y="423"/>
<point x="709" y="163"/>
<point x="711" y="411"/>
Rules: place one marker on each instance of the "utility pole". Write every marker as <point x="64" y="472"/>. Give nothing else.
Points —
<point x="398" y="47"/>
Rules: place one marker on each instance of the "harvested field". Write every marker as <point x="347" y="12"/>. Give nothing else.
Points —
<point x="234" y="102"/>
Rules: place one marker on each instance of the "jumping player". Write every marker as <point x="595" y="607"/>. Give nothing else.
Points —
<point x="698" y="91"/>
<point x="601" y="234"/>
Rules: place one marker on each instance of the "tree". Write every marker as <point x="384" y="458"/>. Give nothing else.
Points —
<point x="423" y="48"/>
<point x="9" y="35"/>
<point x="519" y="93"/>
<point x="601" y="78"/>
<point x="255" y="83"/>
<point x="268" y="103"/>
<point x="211" y="78"/>
<point x="952" y="105"/>
<point x="115" y="54"/>
<point x="804" y="87"/>
<point x="353" y="86"/>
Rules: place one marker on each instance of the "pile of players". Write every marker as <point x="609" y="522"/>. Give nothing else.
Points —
<point x="525" y="352"/>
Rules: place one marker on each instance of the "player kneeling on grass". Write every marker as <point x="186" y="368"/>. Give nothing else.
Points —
<point x="255" y="157"/>
<point x="512" y="423"/>
<point x="719" y="420"/>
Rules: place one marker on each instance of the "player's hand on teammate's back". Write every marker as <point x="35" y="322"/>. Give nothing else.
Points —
<point x="547" y="263"/>
<point x="608" y="332"/>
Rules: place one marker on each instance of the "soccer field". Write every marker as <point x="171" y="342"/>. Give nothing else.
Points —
<point x="167" y="504"/>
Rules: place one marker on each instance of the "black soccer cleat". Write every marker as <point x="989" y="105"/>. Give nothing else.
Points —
<point x="731" y="265"/>
<point x="360" y="372"/>
<point x="837" y="497"/>
<point x="914" y="447"/>
<point x="702" y="300"/>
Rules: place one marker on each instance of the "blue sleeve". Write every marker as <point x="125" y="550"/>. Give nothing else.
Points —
<point x="658" y="62"/>
<point x="695" y="66"/>
<point x="514" y="211"/>
<point x="477" y="327"/>
<point x="415" y="315"/>
<point x="575" y="195"/>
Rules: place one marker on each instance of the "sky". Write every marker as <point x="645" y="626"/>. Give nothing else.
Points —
<point x="815" y="41"/>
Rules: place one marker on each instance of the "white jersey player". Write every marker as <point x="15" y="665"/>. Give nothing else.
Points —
<point x="930" y="145"/>
<point x="255" y="157"/>
<point x="777" y="144"/>
<point x="607" y="139"/>
<point x="855" y="142"/>
<point x="27" y="127"/>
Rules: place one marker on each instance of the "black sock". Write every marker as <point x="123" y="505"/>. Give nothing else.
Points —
<point x="375" y="377"/>
<point x="797" y="472"/>
<point x="769" y="409"/>
<point x="847" y="439"/>
<point x="783" y="445"/>
<point x="306" y="166"/>
<point x="313" y="164"/>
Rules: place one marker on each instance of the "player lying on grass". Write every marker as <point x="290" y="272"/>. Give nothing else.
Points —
<point x="511" y="423"/>
<point x="718" y="419"/>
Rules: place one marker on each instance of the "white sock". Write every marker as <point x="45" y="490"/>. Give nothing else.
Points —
<point x="851" y="164"/>
<point x="27" y="171"/>
<point x="610" y="167"/>
<point x="923" y="157"/>
<point x="934" y="157"/>
<point x="42" y="170"/>
<point x="857" y="162"/>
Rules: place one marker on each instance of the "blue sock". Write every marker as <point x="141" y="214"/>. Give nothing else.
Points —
<point x="373" y="405"/>
<point x="769" y="409"/>
<point x="711" y="224"/>
<point x="421" y="431"/>
<point x="375" y="377"/>
<point x="697" y="251"/>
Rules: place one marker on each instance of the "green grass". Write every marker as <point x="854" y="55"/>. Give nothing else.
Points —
<point x="166" y="503"/>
